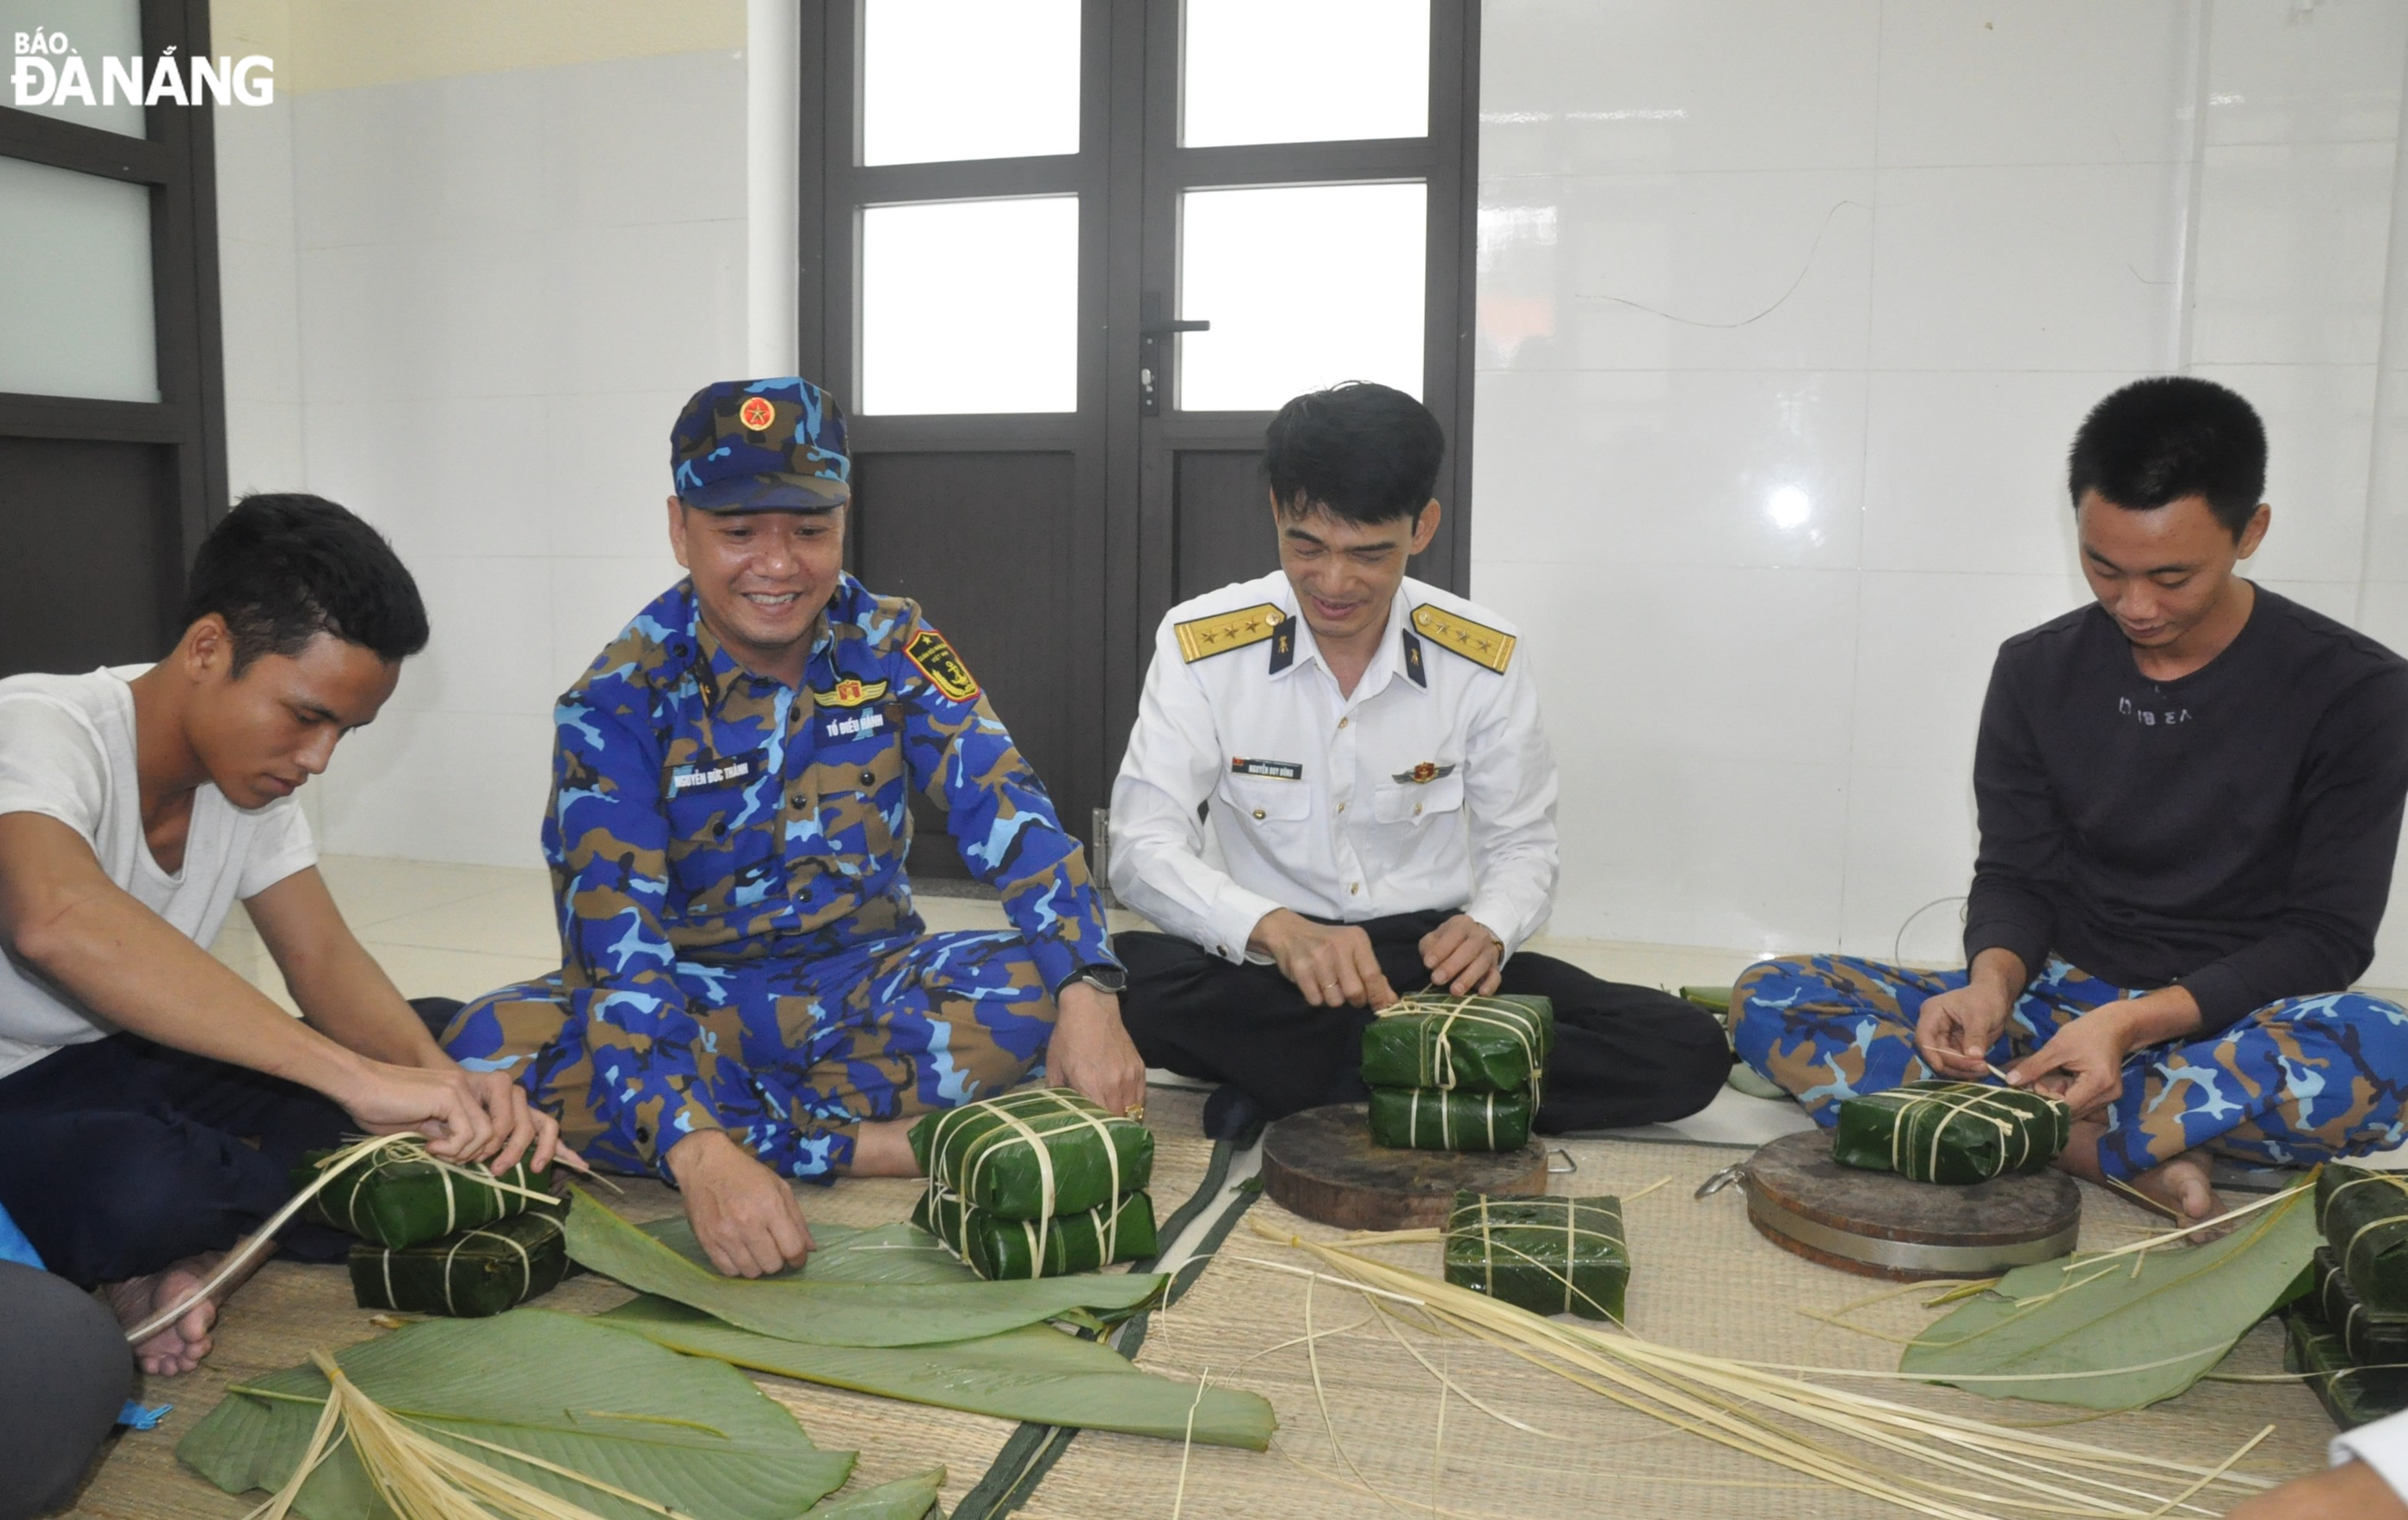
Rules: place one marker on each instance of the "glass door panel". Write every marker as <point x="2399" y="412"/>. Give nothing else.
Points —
<point x="76" y="303"/>
<point x="95" y="30"/>
<point x="1257" y="71"/>
<point x="1304" y="285"/>
<point x="952" y="79"/>
<point x="970" y="307"/>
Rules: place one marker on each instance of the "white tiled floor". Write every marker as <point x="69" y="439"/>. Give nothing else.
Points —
<point x="457" y="931"/>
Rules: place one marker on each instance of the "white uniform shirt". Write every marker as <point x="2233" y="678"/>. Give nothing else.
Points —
<point x="2382" y="1445"/>
<point x="1429" y="787"/>
<point x="66" y="752"/>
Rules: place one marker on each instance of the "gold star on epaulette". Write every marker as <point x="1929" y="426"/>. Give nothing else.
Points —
<point x="1475" y="641"/>
<point x="1224" y="631"/>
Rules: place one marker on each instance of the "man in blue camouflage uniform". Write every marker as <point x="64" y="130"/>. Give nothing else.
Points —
<point x="747" y="993"/>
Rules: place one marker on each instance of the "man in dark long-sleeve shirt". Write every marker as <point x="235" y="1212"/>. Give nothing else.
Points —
<point x="2190" y="796"/>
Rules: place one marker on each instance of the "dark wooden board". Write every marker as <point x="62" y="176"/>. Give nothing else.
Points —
<point x="2007" y="1217"/>
<point x="1322" y="1164"/>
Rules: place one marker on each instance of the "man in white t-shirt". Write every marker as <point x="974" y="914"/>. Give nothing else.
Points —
<point x="152" y="1101"/>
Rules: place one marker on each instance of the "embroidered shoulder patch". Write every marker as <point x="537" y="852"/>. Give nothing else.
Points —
<point x="1475" y="641"/>
<point x="1201" y="638"/>
<point x="940" y="665"/>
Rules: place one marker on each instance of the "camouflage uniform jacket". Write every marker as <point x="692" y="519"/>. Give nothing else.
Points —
<point x="704" y="816"/>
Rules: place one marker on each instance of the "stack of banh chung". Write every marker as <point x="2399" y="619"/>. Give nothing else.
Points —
<point x="436" y="1238"/>
<point x="1035" y="1184"/>
<point x="1952" y="1131"/>
<point x="1548" y="1255"/>
<point x="2351" y="1334"/>
<point x="1450" y="1074"/>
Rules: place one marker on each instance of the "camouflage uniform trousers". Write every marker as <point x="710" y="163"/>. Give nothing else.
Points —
<point x="2297" y="1081"/>
<point x="884" y="1030"/>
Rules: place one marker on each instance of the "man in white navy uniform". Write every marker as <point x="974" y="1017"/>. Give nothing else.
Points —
<point x="1338" y="790"/>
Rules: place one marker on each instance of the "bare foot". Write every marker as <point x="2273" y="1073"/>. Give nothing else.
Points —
<point x="2184" y="1186"/>
<point x="2181" y="1185"/>
<point x="179" y="1347"/>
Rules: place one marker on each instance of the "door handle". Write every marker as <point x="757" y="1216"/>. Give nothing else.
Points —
<point x="1150" y="336"/>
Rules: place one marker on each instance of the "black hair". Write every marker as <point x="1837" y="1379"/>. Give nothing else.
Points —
<point x="2160" y="439"/>
<point x="1365" y="452"/>
<point x="281" y="569"/>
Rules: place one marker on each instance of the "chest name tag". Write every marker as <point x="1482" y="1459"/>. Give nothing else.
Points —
<point x="709" y="775"/>
<point x="860" y="722"/>
<point x="1285" y="770"/>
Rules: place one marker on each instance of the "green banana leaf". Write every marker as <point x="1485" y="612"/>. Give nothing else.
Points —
<point x="2094" y="1333"/>
<point x="901" y="1251"/>
<point x="1037" y="1376"/>
<point x="694" y="1435"/>
<point x="838" y="1313"/>
<point x="905" y="1499"/>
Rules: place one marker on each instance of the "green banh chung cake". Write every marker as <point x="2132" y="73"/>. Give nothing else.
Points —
<point x="1449" y="1073"/>
<point x="2364" y="1217"/>
<point x="1034" y="1153"/>
<point x="398" y="1202"/>
<point x="1955" y="1132"/>
<point x="2351" y="1394"/>
<point x="1548" y="1255"/>
<point x="470" y="1275"/>
<point x="1426" y="1119"/>
<point x="1459" y="1044"/>
<point x="999" y="1249"/>
<point x="1042" y="1183"/>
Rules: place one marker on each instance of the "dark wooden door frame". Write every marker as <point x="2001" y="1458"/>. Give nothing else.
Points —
<point x="1446" y="162"/>
<point x="177" y="161"/>
<point x="1122" y="548"/>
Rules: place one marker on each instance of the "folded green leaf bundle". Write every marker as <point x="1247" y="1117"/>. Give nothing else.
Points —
<point x="1001" y="1249"/>
<point x="2351" y="1394"/>
<point x="1548" y="1255"/>
<point x="2364" y="1216"/>
<point x="1460" y="1045"/>
<point x="2369" y="1336"/>
<point x="1429" y="1118"/>
<point x="575" y="1408"/>
<point x="472" y="1275"/>
<point x="842" y="1313"/>
<point x="1955" y="1132"/>
<point x="1034" y="1153"/>
<point x="401" y="1200"/>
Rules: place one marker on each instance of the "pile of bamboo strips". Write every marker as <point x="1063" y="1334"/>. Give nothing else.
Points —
<point x="1929" y="1463"/>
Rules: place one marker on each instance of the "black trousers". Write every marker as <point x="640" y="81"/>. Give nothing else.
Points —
<point x="64" y="1371"/>
<point x="122" y="1156"/>
<point x="1623" y="1054"/>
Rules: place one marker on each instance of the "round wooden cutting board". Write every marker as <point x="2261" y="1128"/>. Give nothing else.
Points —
<point x="1322" y="1164"/>
<point x="1882" y="1224"/>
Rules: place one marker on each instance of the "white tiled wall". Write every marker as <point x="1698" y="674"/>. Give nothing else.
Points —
<point x="1787" y="314"/>
<point x="497" y="289"/>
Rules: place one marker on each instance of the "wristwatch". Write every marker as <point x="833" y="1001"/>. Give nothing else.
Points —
<point x="1101" y="975"/>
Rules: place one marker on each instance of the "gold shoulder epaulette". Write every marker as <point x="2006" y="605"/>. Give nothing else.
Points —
<point x="1475" y="641"/>
<point x="1224" y="631"/>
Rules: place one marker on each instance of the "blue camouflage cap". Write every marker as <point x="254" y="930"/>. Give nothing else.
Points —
<point x="761" y="445"/>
